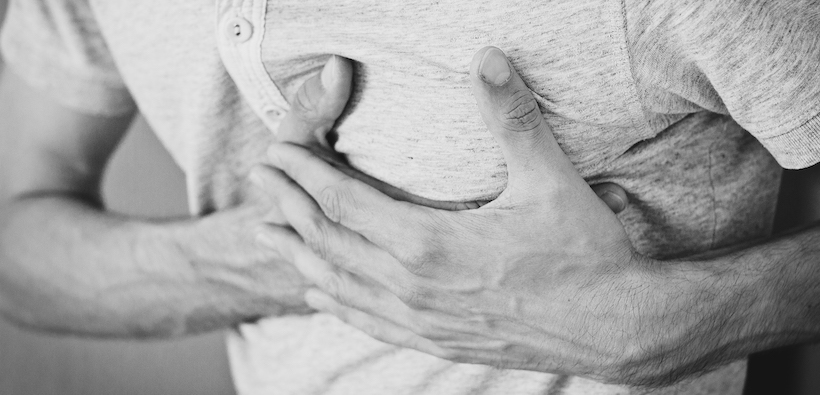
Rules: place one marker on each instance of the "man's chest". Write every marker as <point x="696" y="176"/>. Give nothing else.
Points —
<point x="412" y="120"/>
<point x="214" y="97"/>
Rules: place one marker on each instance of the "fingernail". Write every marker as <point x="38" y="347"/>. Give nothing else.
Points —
<point x="330" y="73"/>
<point x="494" y="68"/>
<point x="613" y="200"/>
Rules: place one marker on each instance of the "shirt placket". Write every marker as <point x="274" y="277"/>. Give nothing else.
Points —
<point x="240" y="33"/>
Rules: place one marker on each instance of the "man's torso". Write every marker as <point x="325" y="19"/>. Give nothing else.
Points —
<point x="214" y="99"/>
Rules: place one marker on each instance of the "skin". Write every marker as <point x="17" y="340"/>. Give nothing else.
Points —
<point x="105" y="275"/>
<point x="542" y="278"/>
<point x="68" y="266"/>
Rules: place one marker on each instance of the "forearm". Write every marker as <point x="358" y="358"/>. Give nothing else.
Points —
<point x="729" y="303"/>
<point x="781" y="282"/>
<point x="66" y="266"/>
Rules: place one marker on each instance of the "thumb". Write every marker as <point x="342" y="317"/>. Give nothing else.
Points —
<point x="514" y="118"/>
<point x="612" y="195"/>
<point x="317" y="104"/>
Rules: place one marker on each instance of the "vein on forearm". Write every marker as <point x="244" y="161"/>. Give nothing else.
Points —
<point x="62" y="261"/>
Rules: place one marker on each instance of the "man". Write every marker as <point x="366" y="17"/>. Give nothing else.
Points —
<point x="634" y="94"/>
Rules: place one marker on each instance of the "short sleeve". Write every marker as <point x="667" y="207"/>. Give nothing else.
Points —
<point x="757" y="60"/>
<point x="56" y="46"/>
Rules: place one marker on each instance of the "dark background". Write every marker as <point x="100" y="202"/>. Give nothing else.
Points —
<point x="143" y="180"/>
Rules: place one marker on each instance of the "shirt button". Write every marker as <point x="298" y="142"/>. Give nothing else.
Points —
<point x="238" y="30"/>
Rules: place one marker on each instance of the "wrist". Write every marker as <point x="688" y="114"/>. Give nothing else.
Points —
<point x="219" y="253"/>
<point x="787" y="308"/>
<point x="160" y="294"/>
<point x="688" y="317"/>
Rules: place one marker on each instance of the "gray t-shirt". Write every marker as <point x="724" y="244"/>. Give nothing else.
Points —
<point x="652" y="95"/>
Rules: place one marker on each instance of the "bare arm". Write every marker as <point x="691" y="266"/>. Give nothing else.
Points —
<point x="66" y="265"/>
<point x="769" y="291"/>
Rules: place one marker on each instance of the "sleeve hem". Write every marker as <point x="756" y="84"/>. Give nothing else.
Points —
<point x="77" y="92"/>
<point x="798" y="148"/>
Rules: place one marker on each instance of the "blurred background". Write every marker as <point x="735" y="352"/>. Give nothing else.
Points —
<point x="143" y="180"/>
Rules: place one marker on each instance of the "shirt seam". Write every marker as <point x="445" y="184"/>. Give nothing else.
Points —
<point x="276" y="100"/>
<point x="814" y="118"/>
<point x="630" y="64"/>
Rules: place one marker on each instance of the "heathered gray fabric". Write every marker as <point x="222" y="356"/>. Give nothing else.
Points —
<point x="639" y="92"/>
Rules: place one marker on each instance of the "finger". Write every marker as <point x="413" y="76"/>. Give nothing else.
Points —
<point x="458" y="347"/>
<point x="613" y="196"/>
<point x="377" y="328"/>
<point x="401" y="195"/>
<point x="331" y="241"/>
<point x="389" y="190"/>
<point x="336" y="281"/>
<point x="514" y="118"/>
<point x="371" y="298"/>
<point x="317" y="104"/>
<point x="274" y="214"/>
<point x="343" y="286"/>
<point x="350" y="202"/>
<point x="292" y="249"/>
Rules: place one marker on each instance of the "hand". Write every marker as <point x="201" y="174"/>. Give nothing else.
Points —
<point x="222" y="247"/>
<point x="543" y="278"/>
<point x="314" y="110"/>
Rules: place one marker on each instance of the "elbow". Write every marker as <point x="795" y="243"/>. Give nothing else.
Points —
<point x="20" y="315"/>
<point x="19" y="307"/>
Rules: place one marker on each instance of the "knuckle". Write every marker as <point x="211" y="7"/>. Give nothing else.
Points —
<point x="423" y="256"/>
<point x="415" y="297"/>
<point x="330" y="201"/>
<point x="305" y="105"/>
<point x="419" y="261"/>
<point x="336" y="200"/>
<point x="520" y="112"/>
<point x="421" y="253"/>
<point x="317" y="235"/>
<point x="424" y="328"/>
